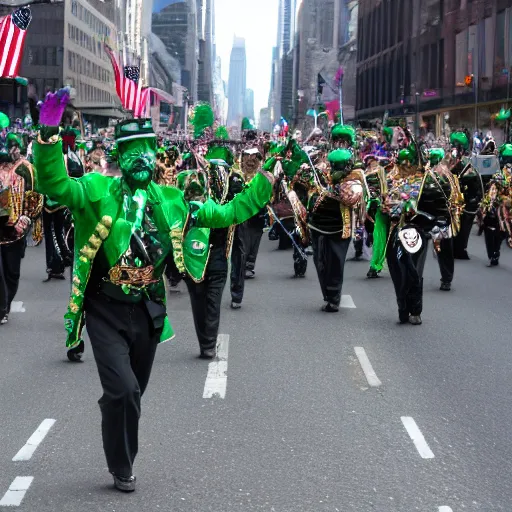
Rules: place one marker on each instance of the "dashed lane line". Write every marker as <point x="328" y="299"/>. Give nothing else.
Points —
<point x="34" y="441"/>
<point x="17" y="307"/>
<point x="417" y="438"/>
<point x="445" y="509"/>
<point x="217" y="378"/>
<point x="14" y="496"/>
<point x="367" y="367"/>
<point x="347" y="302"/>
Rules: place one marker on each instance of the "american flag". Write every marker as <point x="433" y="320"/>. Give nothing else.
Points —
<point x="128" y="88"/>
<point x="13" y="30"/>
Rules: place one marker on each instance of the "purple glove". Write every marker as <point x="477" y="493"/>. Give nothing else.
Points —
<point x="53" y="107"/>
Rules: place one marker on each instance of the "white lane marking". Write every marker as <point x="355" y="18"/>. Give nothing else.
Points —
<point x="17" y="307"/>
<point x="34" y="441"/>
<point x="417" y="437"/>
<point x="367" y="367"/>
<point x="217" y="378"/>
<point x="14" y="496"/>
<point x="347" y="302"/>
<point x="445" y="509"/>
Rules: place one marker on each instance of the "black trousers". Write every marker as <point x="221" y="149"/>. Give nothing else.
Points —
<point x="253" y="237"/>
<point x="446" y="260"/>
<point x="300" y="262"/>
<point x="124" y="343"/>
<point x="493" y="238"/>
<point x="171" y="271"/>
<point x="329" y="255"/>
<point x="461" y="241"/>
<point x="206" y="297"/>
<point x="57" y="253"/>
<point x="407" y="274"/>
<point x="238" y="262"/>
<point x="10" y="271"/>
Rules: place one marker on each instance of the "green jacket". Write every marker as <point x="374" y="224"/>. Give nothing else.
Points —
<point x="95" y="201"/>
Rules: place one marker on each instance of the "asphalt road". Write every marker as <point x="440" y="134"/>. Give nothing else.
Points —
<point x="299" y="428"/>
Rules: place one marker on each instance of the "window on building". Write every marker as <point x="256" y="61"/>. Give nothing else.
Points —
<point x="461" y="57"/>
<point x="499" y="53"/>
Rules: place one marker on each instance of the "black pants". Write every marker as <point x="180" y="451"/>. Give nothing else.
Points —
<point x="238" y="262"/>
<point x="460" y="242"/>
<point x="124" y="343"/>
<point x="446" y="260"/>
<point x="57" y="254"/>
<point x="329" y="255"/>
<point x="407" y="274"/>
<point x="10" y="270"/>
<point x="493" y="237"/>
<point x="300" y="260"/>
<point x="253" y="237"/>
<point x="171" y="271"/>
<point x="206" y="297"/>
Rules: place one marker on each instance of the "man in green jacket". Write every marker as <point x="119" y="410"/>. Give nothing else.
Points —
<point x="125" y="228"/>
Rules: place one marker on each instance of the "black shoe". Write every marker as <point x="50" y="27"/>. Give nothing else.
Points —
<point x="299" y="276"/>
<point x="415" y="320"/>
<point x="373" y="274"/>
<point x="58" y="277"/>
<point x="236" y="305"/>
<point x="494" y="262"/>
<point x="462" y="256"/>
<point x="250" y="274"/>
<point x="330" y="308"/>
<point x="208" y="353"/>
<point x="124" y="484"/>
<point x="356" y="258"/>
<point x="445" y="287"/>
<point x="75" y="354"/>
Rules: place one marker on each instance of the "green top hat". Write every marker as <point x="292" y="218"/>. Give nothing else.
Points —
<point x="340" y="158"/>
<point x="220" y="153"/>
<point x="436" y="155"/>
<point x="459" y="139"/>
<point x="344" y="132"/>
<point x="505" y="150"/>
<point x="132" y="129"/>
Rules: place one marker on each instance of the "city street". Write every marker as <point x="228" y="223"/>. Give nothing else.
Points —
<point x="302" y="412"/>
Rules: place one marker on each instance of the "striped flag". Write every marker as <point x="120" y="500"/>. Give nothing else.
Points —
<point x="128" y="87"/>
<point x="13" y="30"/>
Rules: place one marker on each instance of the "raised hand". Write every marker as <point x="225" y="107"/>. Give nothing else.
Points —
<point x="53" y="107"/>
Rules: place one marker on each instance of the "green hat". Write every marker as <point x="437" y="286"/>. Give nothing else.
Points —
<point x="4" y="121"/>
<point x="388" y="134"/>
<point x="13" y="139"/>
<point x="340" y="158"/>
<point x="132" y="129"/>
<point x="406" y="155"/>
<point x="246" y="124"/>
<point x="436" y="155"/>
<point x="275" y="148"/>
<point x="344" y="132"/>
<point x="505" y="150"/>
<point x="503" y="115"/>
<point x="220" y="153"/>
<point x="459" y="139"/>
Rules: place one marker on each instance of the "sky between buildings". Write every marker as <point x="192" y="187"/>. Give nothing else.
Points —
<point x="256" y="21"/>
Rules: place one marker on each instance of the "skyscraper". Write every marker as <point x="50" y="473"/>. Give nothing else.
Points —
<point x="249" y="104"/>
<point x="237" y="83"/>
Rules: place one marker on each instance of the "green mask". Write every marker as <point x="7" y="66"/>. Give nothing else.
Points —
<point x="137" y="161"/>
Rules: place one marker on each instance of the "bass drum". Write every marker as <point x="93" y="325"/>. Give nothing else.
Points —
<point x="410" y="238"/>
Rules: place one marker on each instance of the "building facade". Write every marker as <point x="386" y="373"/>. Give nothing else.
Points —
<point x="444" y="64"/>
<point x="237" y="83"/>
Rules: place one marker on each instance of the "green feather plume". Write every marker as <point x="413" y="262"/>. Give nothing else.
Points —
<point x="203" y="118"/>
<point x="222" y="133"/>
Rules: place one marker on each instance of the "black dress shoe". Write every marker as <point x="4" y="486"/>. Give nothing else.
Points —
<point x="124" y="484"/>
<point x="373" y="274"/>
<point x="462" y="256"/>
<point x="75" y="354"/>
<point x="446" y="287"/>
<point x="330" y="308"/>
<point x="494" y="262"/>
<point x="208" y="353"/>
